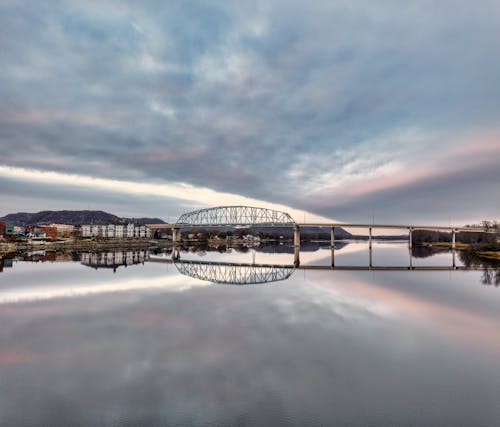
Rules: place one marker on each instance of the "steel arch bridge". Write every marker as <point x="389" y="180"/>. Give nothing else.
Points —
<point x="233" y="273"/>
<point x="235" y="216"/>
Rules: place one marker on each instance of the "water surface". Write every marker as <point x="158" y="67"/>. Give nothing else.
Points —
<point x="145" y="345"/>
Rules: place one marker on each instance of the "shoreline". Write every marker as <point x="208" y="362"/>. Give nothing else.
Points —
<point x="486" y="253"/>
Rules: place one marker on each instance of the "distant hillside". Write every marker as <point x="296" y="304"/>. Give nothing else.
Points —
<point x="72" y="218"/>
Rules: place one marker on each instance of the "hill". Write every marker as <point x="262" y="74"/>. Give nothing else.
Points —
<point x="72" y="218"/>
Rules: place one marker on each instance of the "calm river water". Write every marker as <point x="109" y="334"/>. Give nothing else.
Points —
<point x="86" y="341"/>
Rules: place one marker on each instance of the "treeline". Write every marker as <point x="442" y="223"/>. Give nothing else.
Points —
<point x="206" y="234"/>
<point x="470" y="237"/>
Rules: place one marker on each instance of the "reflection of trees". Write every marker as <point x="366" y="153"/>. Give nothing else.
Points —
<point x="426" y="251"/>
<point x="491" y="277"/>
<point x="491" y="268"/>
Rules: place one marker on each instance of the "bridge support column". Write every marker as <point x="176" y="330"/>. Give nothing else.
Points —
<point x="332" y="237"/>
<point x="176" y="236"/>
<point x="296" y="236"/>
<point x="453" y="238"/>
<point x="410" y="238"/>
<point x="333" y="256"/>
<point x="370" y="238"/>
<point x="296" y="256"/>
<point x="296" y="246"/>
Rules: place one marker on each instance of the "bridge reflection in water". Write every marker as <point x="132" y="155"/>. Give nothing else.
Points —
<point x="252" y="273"/>
<point x="234" y="273"/>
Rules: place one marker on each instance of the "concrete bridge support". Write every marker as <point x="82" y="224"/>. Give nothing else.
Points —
<point x="296" y="236"/>
<point x="453" y="239"/>
<point x="370" y="238"/>
<point x="332" y="237"/>
<point x="176" y="236"/>
<point x="296" y="246"/>
<point x="296" y="256"/>
<point x="410" y="238"/>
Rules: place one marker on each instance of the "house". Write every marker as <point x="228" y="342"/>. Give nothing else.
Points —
<point x="50" y="232"/>
<point x="64" y="230"/>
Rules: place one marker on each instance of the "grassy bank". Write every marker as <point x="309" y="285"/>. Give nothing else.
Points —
<point x="444" y="245"/>
<point x="489" y="251"/>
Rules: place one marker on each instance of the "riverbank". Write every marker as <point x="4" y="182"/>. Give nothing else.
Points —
<point x="82" y="245"/>
<point x="489" y="251"/>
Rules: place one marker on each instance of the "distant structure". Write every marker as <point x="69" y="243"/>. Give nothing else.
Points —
<point x="113" y="231"/>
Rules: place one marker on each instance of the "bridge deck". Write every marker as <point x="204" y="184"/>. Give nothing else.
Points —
<point x="394" y="226"/>
<point x="318" y="267"/>
<point x="335" y="224"/>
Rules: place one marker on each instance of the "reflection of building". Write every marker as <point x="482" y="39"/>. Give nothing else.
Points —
<point x="5" y="263"/>
<point x="114" y="259"/>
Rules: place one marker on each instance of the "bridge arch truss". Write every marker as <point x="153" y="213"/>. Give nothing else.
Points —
<point x="235" y="216"/>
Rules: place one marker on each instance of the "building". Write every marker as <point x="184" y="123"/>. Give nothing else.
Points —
<point x="64" y="230"/>
<point x="19" y="231"/>
<point x="86" y="231"/>
<point x="110" y="230"/>
<point x="119" y="231"/>
<point x="113" y="231"/>
<point x="2" y="228"/>
<point x="50" y="232"/>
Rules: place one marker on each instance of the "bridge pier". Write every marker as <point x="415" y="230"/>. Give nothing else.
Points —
<point x="453" y="238"/>
<point x="370" y="238"/>
<point x="176" y="236"/>
<point x="296" y="245"/>
<point x="332" y="236"/>
<point x="296" y="236"/>
<point x="296" y="256"/>
<point x="410" y="238"/>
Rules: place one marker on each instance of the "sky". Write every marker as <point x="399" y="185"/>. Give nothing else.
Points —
<point x="386" y="112"/>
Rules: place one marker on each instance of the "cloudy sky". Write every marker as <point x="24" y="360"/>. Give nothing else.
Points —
<point x="353" y="111"/>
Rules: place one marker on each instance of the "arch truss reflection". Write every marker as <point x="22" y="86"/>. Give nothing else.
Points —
<point x="234" y="273"/>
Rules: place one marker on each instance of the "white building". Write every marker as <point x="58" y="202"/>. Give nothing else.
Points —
<point x="86" y="231"/>
<point x="119" y="231"/>
<point x="112" y="231"/>
<point x="95" y="230"/>
<point x="130" y="230"/>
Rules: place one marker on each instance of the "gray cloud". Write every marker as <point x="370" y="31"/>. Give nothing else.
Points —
<point x="259" y="99"/>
